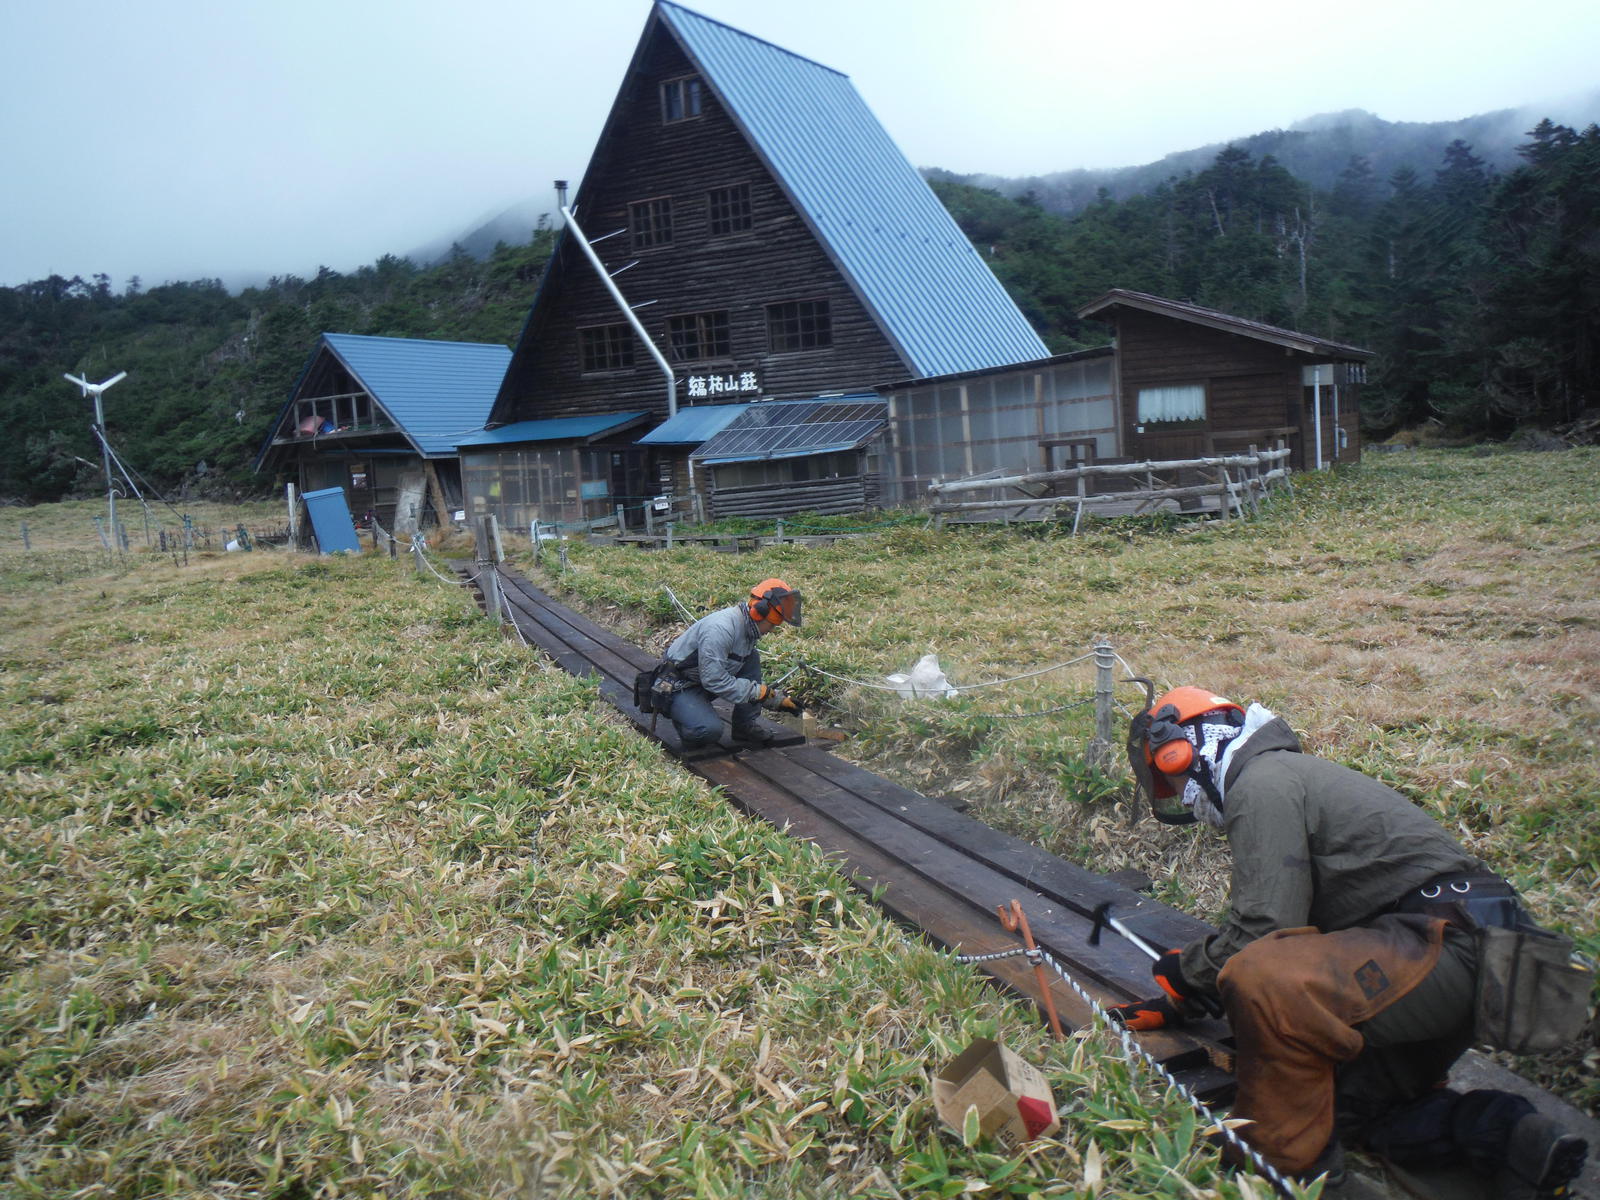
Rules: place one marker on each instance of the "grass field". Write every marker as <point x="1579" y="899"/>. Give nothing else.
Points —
<point x="312" y="884"/>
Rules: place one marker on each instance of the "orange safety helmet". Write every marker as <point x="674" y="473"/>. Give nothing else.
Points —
<point x="774" y="602"/>
<point x="1158" y="747"/>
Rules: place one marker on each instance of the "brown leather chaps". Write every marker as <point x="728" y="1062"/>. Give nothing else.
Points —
<point x="1294" y="998"/>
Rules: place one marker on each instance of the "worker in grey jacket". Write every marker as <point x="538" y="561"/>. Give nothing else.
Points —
<point x="1347" y="963"/>
<point x="718" y="657"/>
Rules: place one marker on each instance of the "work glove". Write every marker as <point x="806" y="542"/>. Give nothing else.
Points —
<point x="776" y="701"/>
<point x="1188" y="999"/>
<point x="1144" y="1015"/>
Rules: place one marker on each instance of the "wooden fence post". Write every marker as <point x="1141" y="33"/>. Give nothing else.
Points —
<point x="1102" y="750"/>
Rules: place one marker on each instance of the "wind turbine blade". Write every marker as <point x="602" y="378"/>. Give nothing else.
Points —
<point x="117" y="378"/>
<point x="83" y="383"/>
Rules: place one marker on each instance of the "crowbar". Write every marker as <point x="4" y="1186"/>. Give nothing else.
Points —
<point x="1103" y="919"/>
<point x="1013" y="919"/>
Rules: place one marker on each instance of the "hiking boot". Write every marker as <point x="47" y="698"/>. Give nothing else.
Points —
<point x="1541" y="1160"/>
<point x="753" y="735"/>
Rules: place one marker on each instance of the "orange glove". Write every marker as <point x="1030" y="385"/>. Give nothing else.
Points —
<point x="1142" y="1015"/>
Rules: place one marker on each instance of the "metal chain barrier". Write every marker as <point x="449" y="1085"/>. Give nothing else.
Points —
<point x="1135" y="1053"/>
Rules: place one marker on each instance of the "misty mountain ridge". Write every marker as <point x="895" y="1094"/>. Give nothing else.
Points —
<point x="1315" y="150"/>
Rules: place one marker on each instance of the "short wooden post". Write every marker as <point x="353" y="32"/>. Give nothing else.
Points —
<point x="780" y="529"/>
<point x="25" y="543"/>
<point x="650" y="517"/>
<point x="670" y="525"/>
<point x="1101" y="748"/>
<point x="622" y="526"/>
<point x="416" y="553"/>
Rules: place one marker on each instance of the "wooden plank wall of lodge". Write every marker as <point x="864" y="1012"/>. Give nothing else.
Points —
<point x="777" y="260"/>
<point x="1254" y="391"/>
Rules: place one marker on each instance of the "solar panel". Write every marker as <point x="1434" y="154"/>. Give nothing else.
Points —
<point x="788" y="429"/>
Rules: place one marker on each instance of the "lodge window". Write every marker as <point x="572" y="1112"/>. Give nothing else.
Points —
<point x="680" y="99"/>
<point x="698" y="336"/>
<point x="607" y="348"/>
<point x="729" y="209"/>
<point x="799" y="325"/>
<point x="1185" y="402"/>
<point x="651" y="222"/>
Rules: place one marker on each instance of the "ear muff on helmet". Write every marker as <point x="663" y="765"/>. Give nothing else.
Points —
<point x="1171" y="751"/>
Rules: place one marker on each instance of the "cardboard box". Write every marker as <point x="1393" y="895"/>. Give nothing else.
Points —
<point x="1012" y="1095"/>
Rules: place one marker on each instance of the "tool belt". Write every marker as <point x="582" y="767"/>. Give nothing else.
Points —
<point x="1469" y="900"/>
<point x="653" y="689"/>
<point x="1532" y="995"/>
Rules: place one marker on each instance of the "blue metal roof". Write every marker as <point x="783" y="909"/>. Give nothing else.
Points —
<point x="555" y="429"/>
<point x="693" y="425"/>
<point x="797" y="428"/>
<point x="906" y="257"/>
<point x="435" y="391"/>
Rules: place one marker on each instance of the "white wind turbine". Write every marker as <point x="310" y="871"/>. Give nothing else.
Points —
<point x="95" y="390"/>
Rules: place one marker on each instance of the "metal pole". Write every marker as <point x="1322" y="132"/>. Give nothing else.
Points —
<point x="627" y="311"/>
<point x="105" y="456"/>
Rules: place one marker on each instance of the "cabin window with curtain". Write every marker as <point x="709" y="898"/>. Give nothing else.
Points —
<point x="1184" y="402"/>
<point x="607" y="348"/>
<point x="651" y="222"/>
<point x="680" y="99"/>
<point x="799" y="325"/>
<point x="698" y="336"/>
<point x="729" y="209"/>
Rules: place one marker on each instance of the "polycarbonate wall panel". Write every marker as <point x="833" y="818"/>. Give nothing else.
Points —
<point x="994" y="423"/>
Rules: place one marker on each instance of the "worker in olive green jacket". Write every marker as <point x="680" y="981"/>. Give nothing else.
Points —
<point x="1346" y="964"/>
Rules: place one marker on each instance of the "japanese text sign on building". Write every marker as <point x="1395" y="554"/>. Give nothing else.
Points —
<point x="732" y="384"/>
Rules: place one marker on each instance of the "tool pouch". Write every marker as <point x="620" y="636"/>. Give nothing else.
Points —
<point x="653" y="689"/>
<point x="1532" y="996"/>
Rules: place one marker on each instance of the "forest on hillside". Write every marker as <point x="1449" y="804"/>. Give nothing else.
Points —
<point x="1479" y="291"/>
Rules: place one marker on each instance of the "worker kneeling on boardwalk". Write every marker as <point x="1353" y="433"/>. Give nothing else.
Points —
<point x="719" y="657"/>
<point x="1364" y="951"/>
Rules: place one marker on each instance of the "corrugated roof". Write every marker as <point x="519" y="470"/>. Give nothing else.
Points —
<point x="1226" y="322"/>
<point x="435" y="391"/>
<point x="693" y="425"/>
<point x="795" y="428"/>
<point x="554" y="429"/>
<point x="906" y="257"/>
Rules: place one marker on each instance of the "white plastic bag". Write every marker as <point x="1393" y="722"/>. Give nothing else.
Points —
<point x="924" y="680"/>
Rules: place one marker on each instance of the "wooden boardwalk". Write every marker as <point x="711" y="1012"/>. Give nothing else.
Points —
<point x="944" y="875"/>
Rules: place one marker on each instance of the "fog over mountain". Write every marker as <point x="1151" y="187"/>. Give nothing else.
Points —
<point x="1315" y="150"/>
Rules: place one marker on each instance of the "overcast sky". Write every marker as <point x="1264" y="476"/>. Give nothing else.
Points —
<point x="180" y="139"/>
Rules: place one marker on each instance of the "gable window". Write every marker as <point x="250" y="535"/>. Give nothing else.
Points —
<point x="680" y="99"/>
<point x="698" y="336"/>
<point x="799" y="325"/>
<point x="607" y="348"/>
<point x="651" y="222"/>
<point x="1185" y="402"/>
<point x="729" y="209"/>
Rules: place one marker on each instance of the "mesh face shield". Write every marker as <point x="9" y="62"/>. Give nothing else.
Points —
<point x="789" y="606"/>
<point x="1166" y="803"/>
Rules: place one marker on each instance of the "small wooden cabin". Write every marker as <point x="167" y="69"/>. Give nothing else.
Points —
<point x="380" y="417"/>
<point x="1193" y="382"/>
<point x="772" y="244"/>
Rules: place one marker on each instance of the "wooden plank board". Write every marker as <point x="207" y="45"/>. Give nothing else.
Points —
<point x="1064" y="882"/>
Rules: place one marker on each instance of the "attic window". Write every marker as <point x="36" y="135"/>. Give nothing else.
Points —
<point x="607" y="348"/>
<point x="799" y="325"/>
<point x="680" y="99"/>
<point x="1186" y="402"/>
<point x="699" y="336"/>
<point x="651" y="222"/>
<point x="729" y="209"/>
